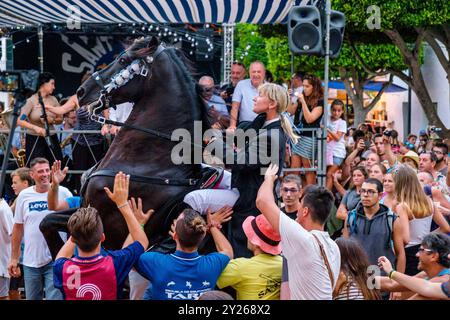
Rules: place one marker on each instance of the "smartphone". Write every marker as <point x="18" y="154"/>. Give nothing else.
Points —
<point x="367" y="143"/>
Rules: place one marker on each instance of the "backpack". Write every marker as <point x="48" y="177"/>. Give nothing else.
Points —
<point x="351" y="224"/>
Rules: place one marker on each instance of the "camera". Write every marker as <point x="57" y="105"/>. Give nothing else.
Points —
<point x="388" y="133"/>
<point x="435" y="129"/>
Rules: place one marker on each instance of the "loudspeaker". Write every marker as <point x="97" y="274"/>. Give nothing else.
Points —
<point x="337" y="26"/>
<point x="305" y="30"/>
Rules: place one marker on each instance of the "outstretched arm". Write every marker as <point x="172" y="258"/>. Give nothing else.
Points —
<point x="67" y="249"/>
<point x="421" y="286"/>
<point x="120" y="197"/>
<point x="58" y="176"/>
<point x="141" y="217"/>
<point x="214" y="223"/>
<point x="265" y="201"/>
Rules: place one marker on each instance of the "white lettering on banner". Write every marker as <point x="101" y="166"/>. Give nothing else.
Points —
<point x="90" y="55"/>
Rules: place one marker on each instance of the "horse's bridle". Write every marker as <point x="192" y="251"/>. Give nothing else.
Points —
<point x="138" y="67"/>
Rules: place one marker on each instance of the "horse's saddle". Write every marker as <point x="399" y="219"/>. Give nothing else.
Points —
<point x="211" y="177"/>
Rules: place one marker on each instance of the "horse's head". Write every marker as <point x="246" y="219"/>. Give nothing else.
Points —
<point x="124" y="79"/>
<point x="142" y="71"/>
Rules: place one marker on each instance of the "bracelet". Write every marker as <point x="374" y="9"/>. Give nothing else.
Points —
<point x="391" y="274"/>
<point x="122" y="205"/>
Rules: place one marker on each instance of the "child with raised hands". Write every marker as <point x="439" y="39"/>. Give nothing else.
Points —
<point x="89" y="275"/>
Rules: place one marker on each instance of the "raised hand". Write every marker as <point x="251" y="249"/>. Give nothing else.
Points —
<point x="385" y="264"/>
<point x="220" y="216"/>
<point x="271" y="172"/>
<point x="141" y="217"/>
<point x="58" y="175"/>
<point x="120" y="191"/>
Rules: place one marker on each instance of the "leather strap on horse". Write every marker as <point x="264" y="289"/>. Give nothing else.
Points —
<point x="151" y="180"/>
<point x="325" y="259"/>
<point x="149" y="131"/>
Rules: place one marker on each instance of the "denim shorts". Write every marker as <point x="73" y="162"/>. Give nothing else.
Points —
<point x="337" y="161"/>
<point x="4" y="287"/>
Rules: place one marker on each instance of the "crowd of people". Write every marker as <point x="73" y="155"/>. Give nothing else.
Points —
<point x="378" y="228"/>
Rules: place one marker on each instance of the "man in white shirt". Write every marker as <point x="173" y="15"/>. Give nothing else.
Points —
<point x="6" y="225"/>
<point x="31" y="209"/>
<point x="244" y="93"/>
<point x="313" y="258"/>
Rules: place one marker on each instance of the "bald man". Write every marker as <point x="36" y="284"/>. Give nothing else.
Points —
<point x="244" y="93"/>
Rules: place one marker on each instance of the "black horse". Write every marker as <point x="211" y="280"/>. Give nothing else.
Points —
<point x="166" y="98"/>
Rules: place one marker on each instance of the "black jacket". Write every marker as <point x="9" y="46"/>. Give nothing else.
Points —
<point x="247" y="175"/>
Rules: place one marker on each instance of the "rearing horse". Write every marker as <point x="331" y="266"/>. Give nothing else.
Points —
<point x="165" y="98"/>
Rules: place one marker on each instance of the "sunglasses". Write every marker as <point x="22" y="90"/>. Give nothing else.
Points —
<point x="293" y="190"/>
<point x="370" y="192"/>
<point x="425" y="250"/>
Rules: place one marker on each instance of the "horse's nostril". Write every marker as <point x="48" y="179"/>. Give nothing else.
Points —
<point x="80" y="93"/>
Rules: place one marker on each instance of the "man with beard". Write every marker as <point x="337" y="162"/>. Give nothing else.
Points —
<point x="440" y="149"/>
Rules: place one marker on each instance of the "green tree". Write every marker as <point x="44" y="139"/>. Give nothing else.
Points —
<point x="407" y="24"/>
<point x="346" y="67"/>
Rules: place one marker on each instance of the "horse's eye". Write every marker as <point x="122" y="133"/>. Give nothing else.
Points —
<point x="122" y="61"/>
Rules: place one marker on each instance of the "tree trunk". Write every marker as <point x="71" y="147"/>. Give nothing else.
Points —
<point x="360" y="113"/>
<point x="415" y="80"/>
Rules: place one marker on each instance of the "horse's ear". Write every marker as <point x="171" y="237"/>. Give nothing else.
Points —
<point x="154" y="42"/>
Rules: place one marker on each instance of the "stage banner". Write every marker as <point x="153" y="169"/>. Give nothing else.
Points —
<point x="69" y="56"/>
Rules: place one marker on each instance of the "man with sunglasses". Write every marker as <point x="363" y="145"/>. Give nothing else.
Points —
<point x="376" y="227"/>
<point x="217" y="108"/>
<point x="434" y="265"/>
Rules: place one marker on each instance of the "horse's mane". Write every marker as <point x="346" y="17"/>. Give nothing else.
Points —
<point x="143" y="47"/>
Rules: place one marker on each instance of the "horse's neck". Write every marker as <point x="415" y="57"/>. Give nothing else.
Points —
<point x="144" y="152"/>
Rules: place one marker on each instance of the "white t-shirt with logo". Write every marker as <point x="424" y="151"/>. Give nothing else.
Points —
<point x="6" y="226"/>
<point x="31" y="209"/>
<point x="308" y="274"/>
<point x="337" y="147"/>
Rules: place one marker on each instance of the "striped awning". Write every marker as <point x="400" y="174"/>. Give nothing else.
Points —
<point x="35" y="12"/>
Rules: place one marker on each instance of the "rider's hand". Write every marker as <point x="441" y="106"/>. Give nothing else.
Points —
<point x="141" y="217"/>
<point x="120" y="191"/>
<point x="58" y="175"/>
